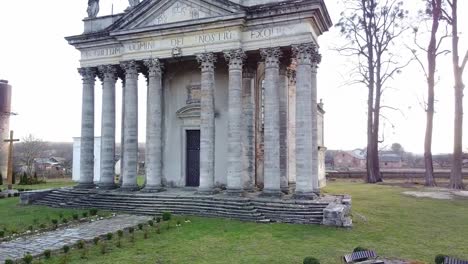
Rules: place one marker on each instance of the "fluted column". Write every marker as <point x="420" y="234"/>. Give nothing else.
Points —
<point x="87" y="129"/>
<point x="130" y="154"/>
<point x="283" y="128"/>
<point x="248" y="129"/>
<point x="207" y="123"/>
<point x="272" y="122"/>
<point x="154" y="127"/>
<point x="108" y="74"/>
<point x="234" y="173"/>
<point x="292" y="125"/>
<point x="307" y="57"/>
<point x="122" y="129"/>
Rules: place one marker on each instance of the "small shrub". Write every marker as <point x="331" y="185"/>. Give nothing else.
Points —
<point x="118" y="244"/>
<point x="54" y="221"/>
<point x="158" y="230"/>
<point x="80" y="244"/>
<point x="150" y="223"/>
<point x="30" y="228"/>
<point x="16" y="194"/>
<point x="439" y="259"/>
<point x="9" y="195"/>
<point x="146" y="234"/>
<point x="158" y="219"/>
<point x="85" y="214"/>
<point x="42" y="225"/>
<point x="84" y="254"/>
<point x="66" y="249"/>
<point x="140" y="226"/>
<point x="310" y="260"/>
<point x="109" y="236"/>
<point x="358" y="249"/>
<point x="131" y="230"/>
<point x="47" y="253"/>
<point x="28" y="258"/>
<point x="178" y="222"/>
<point x="120" y="233"/>
<point x="75" y="216"/>
<point x="96" y="240"/>
<point x="166" y="216"/>
<point x="103" y="248"/>
<point x="9" y="261"/>
<point x="2" y="233"/>
<point x="64" y="220"/>
<point x="93" y="211"/>
<point x="35" y="221"/>
<point x="60" y="215"/>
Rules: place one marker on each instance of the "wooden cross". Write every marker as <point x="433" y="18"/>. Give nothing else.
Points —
<point x="10" y="160"/>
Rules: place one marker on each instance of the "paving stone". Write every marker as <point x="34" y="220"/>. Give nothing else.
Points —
<point x="53" y="240"/>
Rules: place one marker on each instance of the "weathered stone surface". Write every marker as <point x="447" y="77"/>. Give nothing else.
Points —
<point x="27" y="198"/>
<point x="54" y="240"/>
<point x="338" y="214"/>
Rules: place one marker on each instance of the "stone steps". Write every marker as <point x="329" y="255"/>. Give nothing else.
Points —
<point x="240" y="208"/>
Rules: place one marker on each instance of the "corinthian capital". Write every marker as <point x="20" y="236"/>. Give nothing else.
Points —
<point x="154" y="67"/>
<point x="88" y="74"/>
<point x="131" y="69"/>
<point x="108" y="72"/>
<point x="271" y="56"/>
<point x="207" y="61"/>
<point x="235" y="58"/>
<point x="306" y="53"/>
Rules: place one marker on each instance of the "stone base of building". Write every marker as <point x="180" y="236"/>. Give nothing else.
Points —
<point x="107" y="186"/>
<point x="85" y="185"/>
<point x="256" y="207"/>
<point x="129" y="188"/>
<point x="152" y="189"/>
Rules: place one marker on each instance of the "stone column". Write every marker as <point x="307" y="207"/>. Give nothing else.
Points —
<point x="108" y="74"/>
<point x="283" y="129"/>
<point x="307" y="58"/>
<point x="248" y="129"/>
<point x="272" y="122"/>
<point x="207" y="123"/>
<point x="234" y="171"/>
<point x="87" y="129"/>
<point x="292" y="125"/>
<point x="154" y="127"/>
<point x="130" y="153"/>
<point x="122" y="129"/>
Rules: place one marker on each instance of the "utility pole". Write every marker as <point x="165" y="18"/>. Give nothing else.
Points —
<point x="10" y="160"/>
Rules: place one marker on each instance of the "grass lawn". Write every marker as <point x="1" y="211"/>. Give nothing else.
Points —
<point x="394" y="225"/>
<point x="17" y="218"/>
<point x="51" y="183"/>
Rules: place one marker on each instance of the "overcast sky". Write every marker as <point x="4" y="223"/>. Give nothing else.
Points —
<point x="41" y="67"/>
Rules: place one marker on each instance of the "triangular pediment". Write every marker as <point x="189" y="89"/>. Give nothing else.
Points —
<point x="164" y="12"/>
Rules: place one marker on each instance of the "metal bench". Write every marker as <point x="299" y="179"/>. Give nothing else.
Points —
<point x="359" y="256"/>
<point x="450" y="260"/>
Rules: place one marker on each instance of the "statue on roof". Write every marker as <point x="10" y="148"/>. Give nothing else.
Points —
<point x="133" y="3"/>
<point x="93" y="8"/>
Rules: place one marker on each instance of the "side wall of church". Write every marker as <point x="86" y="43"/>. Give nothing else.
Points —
<point x="178" y="78"/>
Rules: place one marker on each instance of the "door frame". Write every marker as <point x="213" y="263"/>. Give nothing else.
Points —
<point x="184" y="154"/>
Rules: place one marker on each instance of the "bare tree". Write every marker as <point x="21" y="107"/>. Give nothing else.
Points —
<point x="434" y="12"/>
<point x="371" y="28"/>
<point x="451" y="15"/>
<point x="32" y="148"/>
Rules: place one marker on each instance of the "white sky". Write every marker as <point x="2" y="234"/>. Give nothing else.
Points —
<point x="41" y="67"/>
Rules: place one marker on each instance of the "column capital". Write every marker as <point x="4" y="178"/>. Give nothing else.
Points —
<point x="207" y="61"/>
<point x="108" y="72"/>
<point x="131" y="69"/>
<point x="88" y="74"/>
<point x="155" y="67"/>
<point x="235" y="58"/>
<point x="271" y="56"/>
<point x="306" y="53"/>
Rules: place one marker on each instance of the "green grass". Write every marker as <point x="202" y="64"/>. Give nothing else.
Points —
<point x="15" y="217"/>
<point x="51" y="183"/>
<point x="396" y="226"/>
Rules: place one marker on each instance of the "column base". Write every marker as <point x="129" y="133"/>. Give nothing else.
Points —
<point x="271" y="194"/>
<point x="107" y="186"/>
<point x="285" y="190"/>
<point x="87" y="185"/>
<point x="206" y="191"/>
<point x="129" y="188"/>
<point x="152" y="189"/>
<point x="235" y="192"/>
<point x="305" y="196"/>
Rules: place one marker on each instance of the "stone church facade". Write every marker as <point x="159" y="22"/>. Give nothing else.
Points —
<point x="231" y="95"/>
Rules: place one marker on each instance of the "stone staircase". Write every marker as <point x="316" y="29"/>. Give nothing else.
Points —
<point x="186" y="203"/>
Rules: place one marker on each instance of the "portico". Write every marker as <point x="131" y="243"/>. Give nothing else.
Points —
<point x="226" y="83"/>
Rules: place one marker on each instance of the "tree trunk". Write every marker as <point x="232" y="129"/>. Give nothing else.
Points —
<point x="431" y="59"/>
<point x="456" y="177"/>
